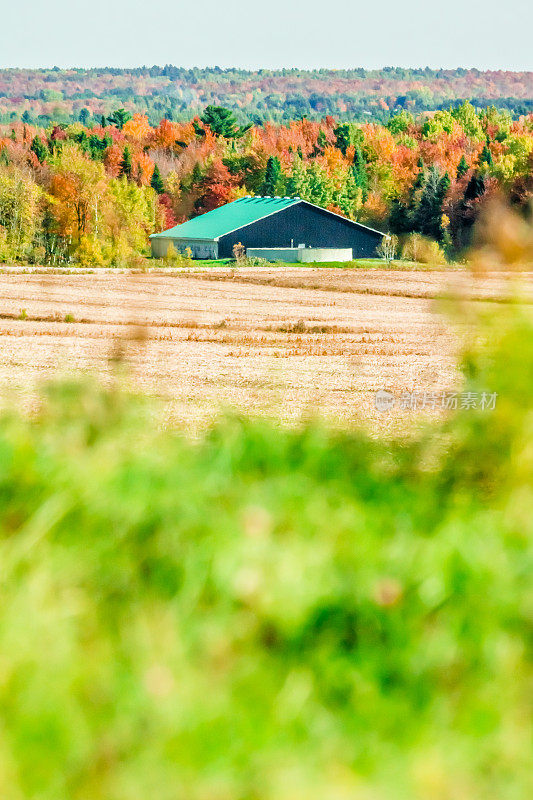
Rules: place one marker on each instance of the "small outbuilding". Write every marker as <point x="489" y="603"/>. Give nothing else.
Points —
<point x="267" y="222"/>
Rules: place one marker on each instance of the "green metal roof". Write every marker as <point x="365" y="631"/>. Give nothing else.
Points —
<point x="228" y="218"/>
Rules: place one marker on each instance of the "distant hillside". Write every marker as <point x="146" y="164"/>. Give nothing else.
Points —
<point x="176" y="93"/>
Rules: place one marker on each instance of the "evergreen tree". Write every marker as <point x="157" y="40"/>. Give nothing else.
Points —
<point x="126" y="167"/>
<point x="467" y="211"/>
<point x="196" y="175"/>
<point x="343" y="138"/>
<point x="97" y="147"/>
<point x="359" y="173"/>
<point x="321" y="143"/>
<point x="346" y="135"/>
<point x="119" y="118"/>
<point x="444" y="187"/>
<point x="421" y="176"/>
<point x="428" y="214"/>
<point x="462" y="167"/>
<point x="400" y="217"/>
<point x="475" y="187"/>
<point x="82" y="139"/>
<point x="272" y="177"/>
<point x="486" y="155"/>
<point x="84" y="116"/>
<point x="199" y="131"/>
<point x="157" y="181"/>
<point x="39" y="148"/>
<point x="221" y="121"/>
<point x="403" y="214"/>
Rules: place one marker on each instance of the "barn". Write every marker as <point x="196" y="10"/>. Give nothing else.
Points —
<point x="267" y="222"/>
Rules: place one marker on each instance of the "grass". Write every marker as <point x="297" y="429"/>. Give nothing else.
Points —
<point x="362" y="263"/>
<point x="373" y="263"/>
<point x="230" y="263"/>
<point x="269" y="614"/>
<point x="214" y="262"/>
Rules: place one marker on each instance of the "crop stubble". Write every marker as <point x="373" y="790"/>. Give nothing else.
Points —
<point x="285" y="342"/>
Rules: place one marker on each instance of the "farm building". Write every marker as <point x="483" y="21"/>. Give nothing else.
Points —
<point x="266" y="223"/>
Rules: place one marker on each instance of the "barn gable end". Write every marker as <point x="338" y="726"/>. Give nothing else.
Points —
<point x="304" y="223"/>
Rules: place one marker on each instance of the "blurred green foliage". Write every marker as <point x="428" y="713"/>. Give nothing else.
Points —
<point x="269" y="614"/>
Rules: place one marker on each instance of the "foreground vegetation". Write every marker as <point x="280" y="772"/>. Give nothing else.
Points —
<point x="269" y="614"/>
<point x="91" y="194"/>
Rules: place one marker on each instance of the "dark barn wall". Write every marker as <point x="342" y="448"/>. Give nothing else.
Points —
<point x="315" y="227"/>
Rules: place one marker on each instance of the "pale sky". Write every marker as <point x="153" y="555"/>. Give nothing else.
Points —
<point x="269" y="34"/>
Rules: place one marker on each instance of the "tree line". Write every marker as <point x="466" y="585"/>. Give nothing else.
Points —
<point x="91" y="192"/>
<point x="40" y="97"/>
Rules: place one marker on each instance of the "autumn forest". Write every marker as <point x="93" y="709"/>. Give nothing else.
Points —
<point x="43" y="96"/>
<point x="89" y="192"/>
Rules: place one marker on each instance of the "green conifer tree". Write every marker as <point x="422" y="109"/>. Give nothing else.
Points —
<point x="462" y="167"/>
<point x="475" y="187"/>
<point x="84" y="116"/>
<point x="421" y="176"/>
<point x="321" y="142"/>
<point x="344" y="136"/>
<point x="126" y="167"/>
<point x="427" y="217"/>
<point x="272" y="177"/>
<point x="399" y="217"/>
<point x="119" y="118"/>
<point x="359" y="173"/>
<point x="196" y="175"/>
<point x="39" y="148"/>
<point x="221" y="121"/>
<point x="486" y="155"/>
<point x="157" y="181"/>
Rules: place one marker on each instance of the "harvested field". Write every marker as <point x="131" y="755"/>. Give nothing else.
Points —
<point x="286" y="342"/>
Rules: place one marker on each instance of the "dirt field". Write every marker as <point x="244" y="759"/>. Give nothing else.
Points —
<point x="287" y="342"/>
